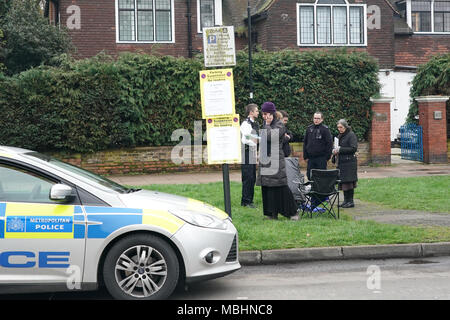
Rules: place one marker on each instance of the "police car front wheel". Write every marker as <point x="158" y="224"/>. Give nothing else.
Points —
<point x="141" y="267"/>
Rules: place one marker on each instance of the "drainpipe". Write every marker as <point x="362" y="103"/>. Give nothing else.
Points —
<point x="250" y="62"/>
<point x="189" y="28"/>
<point x="57" y="13"/>
<point x="46" y="8"/>
<point x="57" y="16"/>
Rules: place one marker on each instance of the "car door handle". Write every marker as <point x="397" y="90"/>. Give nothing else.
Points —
<point x="87" y="222"/>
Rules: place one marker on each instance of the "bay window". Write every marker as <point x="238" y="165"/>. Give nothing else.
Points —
<point x="331" y="23"/>
<point x="429" y="16"/>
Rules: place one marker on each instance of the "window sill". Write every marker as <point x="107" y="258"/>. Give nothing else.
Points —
<point x="332" y="45"/>
<point x="432" y="33"/>
<point x="144" y="42"/>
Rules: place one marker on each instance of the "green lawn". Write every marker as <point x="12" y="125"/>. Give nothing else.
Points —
<point x="255" y="233"/>
<point x="431" y="194"/>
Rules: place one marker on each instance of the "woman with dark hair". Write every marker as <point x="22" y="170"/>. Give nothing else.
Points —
<point x="347" y="162"/>
<point x="276" y="195"/>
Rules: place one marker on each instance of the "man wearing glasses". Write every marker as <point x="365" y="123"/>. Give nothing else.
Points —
<point x="317" y="145"/>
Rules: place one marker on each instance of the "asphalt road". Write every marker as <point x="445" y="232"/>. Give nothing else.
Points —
<point x="392" y="279"/>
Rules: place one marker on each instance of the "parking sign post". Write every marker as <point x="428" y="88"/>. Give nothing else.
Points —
<point x="226" y="188"/>
<point x="217" y="91"/>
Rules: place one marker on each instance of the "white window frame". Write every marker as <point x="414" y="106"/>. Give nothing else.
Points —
<point x="136" y="41"/>
<point x="348" y="6"/>
<point x="409" y="19"/>
<point x="217" y="15"/>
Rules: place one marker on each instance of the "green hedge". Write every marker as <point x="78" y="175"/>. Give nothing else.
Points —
<point x="433" y="78"/>
<point x="336" y="82"/>
<point x="139" y="100"/>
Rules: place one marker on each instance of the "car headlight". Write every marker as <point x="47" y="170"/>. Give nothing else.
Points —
<point x="200" y="219"/>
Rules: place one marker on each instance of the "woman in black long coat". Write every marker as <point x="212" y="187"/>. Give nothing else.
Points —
<point x="276" y="195"/>
<point x="347" y="162"/>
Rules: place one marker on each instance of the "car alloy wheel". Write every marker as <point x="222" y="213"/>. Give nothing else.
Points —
<point x="141" y="267"/>
<point x="141" y="271"/>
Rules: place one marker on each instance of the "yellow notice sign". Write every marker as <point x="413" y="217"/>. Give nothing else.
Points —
<point x="217" y="92"/>
<point x="223" y="134"/>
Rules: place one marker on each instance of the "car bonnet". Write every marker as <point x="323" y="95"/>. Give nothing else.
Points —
<point x="156" y="200"/>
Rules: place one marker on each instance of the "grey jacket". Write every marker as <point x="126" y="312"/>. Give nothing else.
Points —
<point x="272" y="166"/>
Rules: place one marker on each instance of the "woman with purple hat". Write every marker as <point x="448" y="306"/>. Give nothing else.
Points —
<point x="276" y="195"/>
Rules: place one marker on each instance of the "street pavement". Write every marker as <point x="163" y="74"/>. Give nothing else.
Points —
<point x="398" y="168"/>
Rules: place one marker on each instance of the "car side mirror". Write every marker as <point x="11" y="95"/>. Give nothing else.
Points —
<point x="61" y="192"/>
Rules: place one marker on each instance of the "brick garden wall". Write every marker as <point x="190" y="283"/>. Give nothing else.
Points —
<point x="147" y="160"/>
<point x="133" y="161"/>
<point x="380" y="132"/>
<point x="363" y="154"/>
<point x="448" y="151"/>
<point x="434" y="129"/>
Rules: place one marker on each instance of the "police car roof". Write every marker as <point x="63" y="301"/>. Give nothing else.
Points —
<point x="13" y="150"/>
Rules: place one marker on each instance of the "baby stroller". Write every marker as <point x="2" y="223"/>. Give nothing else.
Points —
<point x="296" y="181"/>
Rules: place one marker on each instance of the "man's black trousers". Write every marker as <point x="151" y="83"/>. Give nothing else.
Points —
<point x="248" y="172"/>
<point x="316" y="163"/>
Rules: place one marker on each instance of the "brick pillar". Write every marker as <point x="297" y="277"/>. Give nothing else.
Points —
<point x="380" y="131"/>
<point x="433" y="119"/>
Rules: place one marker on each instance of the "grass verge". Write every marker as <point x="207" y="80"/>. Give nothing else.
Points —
<point x="255" y="233"/>
<point x="430" y="194"/>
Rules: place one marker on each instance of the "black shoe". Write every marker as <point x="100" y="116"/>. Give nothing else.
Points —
<point x="249" y="205"/>
<point x="349" y="204"/>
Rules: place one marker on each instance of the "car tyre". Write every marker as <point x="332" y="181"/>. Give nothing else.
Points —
<point x="141" y="267"/>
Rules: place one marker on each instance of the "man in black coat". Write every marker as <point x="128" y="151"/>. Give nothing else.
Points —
<point x="317" y="145"/>
<point x="288" y="136"/>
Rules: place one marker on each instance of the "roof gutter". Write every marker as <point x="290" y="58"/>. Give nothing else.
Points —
<point x="408" y="68"/>
<point x="257" y="17"/>
<point x="392" y="7"/>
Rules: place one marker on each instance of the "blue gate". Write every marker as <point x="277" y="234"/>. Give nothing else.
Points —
<point x="411" y="142"/>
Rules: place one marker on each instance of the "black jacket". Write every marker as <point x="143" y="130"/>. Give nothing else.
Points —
<point x="318" y="142"/>
<point x="347" y="162"/>
<point x="286" y="146"/>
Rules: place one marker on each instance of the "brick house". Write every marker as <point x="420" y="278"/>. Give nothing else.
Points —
<point x="400" y="34"/>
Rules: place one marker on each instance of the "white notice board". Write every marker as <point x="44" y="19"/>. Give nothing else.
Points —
<point x="218" y="47"/>
<point x="224" y="139"/>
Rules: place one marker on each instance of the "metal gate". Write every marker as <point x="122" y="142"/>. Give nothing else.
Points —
<point x="411" y="142"/>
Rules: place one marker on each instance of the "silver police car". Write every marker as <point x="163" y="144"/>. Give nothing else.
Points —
<point x="64" y="228"/>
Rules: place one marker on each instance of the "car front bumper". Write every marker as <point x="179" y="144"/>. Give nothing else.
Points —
<point x="208" y="253"/>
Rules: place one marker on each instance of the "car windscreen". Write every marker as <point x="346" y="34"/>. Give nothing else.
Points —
<point x="80" y="172"/>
